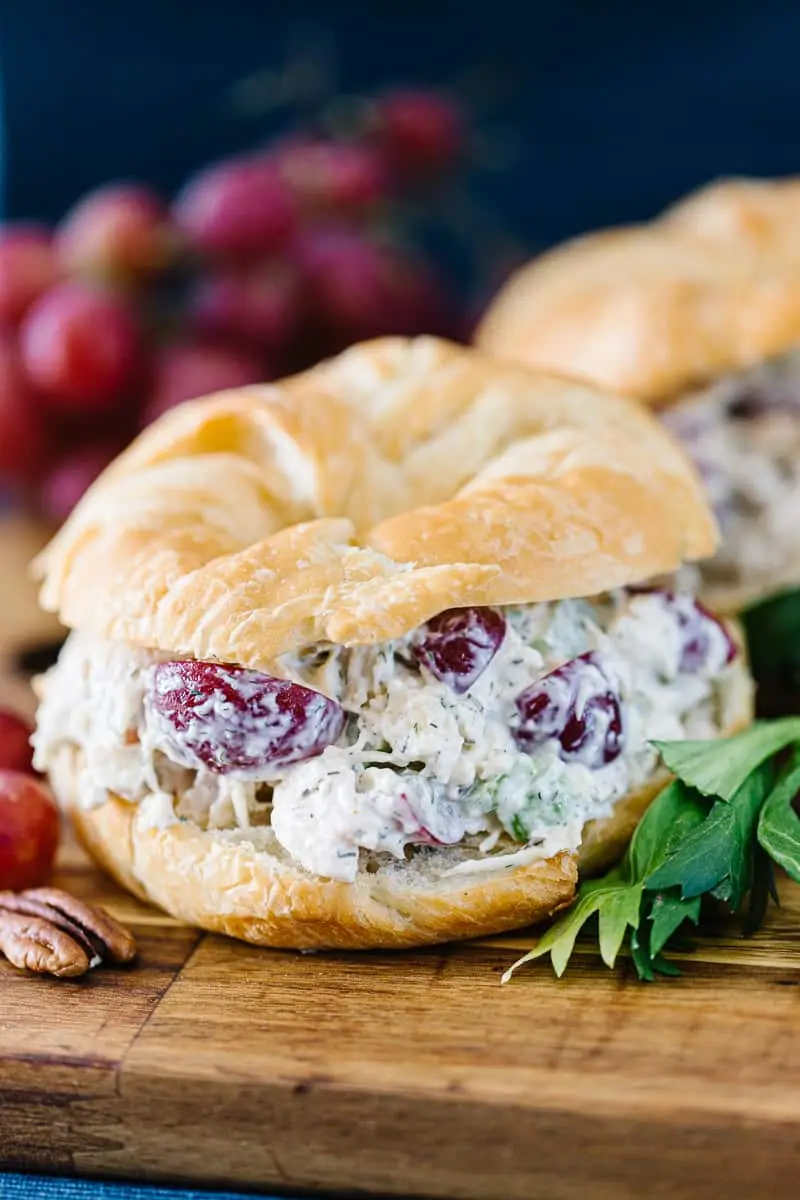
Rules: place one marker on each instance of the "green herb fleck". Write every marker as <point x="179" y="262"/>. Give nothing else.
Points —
<point x="518" y="829"/>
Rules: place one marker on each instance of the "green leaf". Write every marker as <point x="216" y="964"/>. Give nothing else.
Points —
<point x="559" y="940"/>
<point x="701" y="861"/>
<point x="669" y="819"/>
<point x="773" y="641"/>
<point x="648" y="964"/>
<point x="716" y="856"/>
<point x="723" y="891"/>
<point x="746" y="806"/>
<point x="667" y="913"/>
<point x="664" y="966"/>
<point x="719" y="768"/>
<point x="616" y="914"/>
<point x="761" y="888"/>
<point x="779" y="825"/>
<point x="640" y="953"/>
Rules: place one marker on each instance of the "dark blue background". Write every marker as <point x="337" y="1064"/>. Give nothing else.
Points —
<point x="618" y="106"/>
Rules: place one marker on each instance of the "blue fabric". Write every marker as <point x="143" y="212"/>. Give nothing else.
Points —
<point x="38" y="1187"/>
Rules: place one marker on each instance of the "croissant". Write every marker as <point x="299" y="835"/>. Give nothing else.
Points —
<point x="697" y="314"/>
<point x="364" y="658"/>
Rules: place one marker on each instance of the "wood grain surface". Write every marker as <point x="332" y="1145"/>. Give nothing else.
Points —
<point x="410" y="1074"/>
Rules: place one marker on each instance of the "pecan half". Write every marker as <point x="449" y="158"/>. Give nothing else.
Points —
<point x="47" y="930"/>
<point x="112" y="941"/>
<point x="38" y="945"/>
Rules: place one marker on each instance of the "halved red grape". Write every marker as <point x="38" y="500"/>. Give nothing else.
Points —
<point x="576" y="706"/>
<point x="29" y="831"/>
<point x="118" y="231"/>
<point x="413" y="824"/>
<point x="80" y="346"/>
<point x="230" y="719"/>
<point x="16" y="752"/>
<point x="705" y="644"/>
<point x="27" y="268"/>
<point x="240" y="207"/>
<point x="457" y="645"/>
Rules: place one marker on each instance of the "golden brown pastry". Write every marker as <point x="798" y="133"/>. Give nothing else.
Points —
<point x="361" y="658"/>
<point x="697" y="312"/>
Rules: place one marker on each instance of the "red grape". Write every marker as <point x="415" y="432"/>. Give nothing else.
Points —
<point x="64" y="485"/>
<point x="16" y="752"/>
<point x="119" y="231"/>
<point x="240" y="207"/>
<point x="419" y="132"/>
<point x="705" y="644"/>
<point x="23" y="437"/>
<point x="29" y="831"/>
<point x="27" y="268"/>
<point x="416" y="301"/>
<point x="360" y="289"/>
<point x="578" y="707"/>
<point x="189" y="369"/>
<point x="344" y="271"/>
<point x="229" y="719"/>
<point x="457" y="645"/>
<point x="336" y="175"/>
<point x="346" y="282"/>
<point x="81" y="347"/>
<point x="260" y="305"/>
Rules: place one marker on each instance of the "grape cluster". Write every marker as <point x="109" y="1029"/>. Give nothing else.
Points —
<point x="262" y="265"/>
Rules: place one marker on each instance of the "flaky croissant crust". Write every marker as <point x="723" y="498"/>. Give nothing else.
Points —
<point x="352" y="502"/>
<point x="710" y="287"/>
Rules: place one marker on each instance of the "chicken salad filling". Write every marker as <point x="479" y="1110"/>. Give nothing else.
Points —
<point x="743" y="432"/>
<point x="501" y="728"/>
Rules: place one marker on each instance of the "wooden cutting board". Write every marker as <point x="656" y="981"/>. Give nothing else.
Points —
<point x="411" y="1074"/>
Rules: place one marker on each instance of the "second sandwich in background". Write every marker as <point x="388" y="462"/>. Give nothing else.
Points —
<point x="698" y="314"/>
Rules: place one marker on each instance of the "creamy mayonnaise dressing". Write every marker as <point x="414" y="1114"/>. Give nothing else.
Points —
<point x="417" y="763"/>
